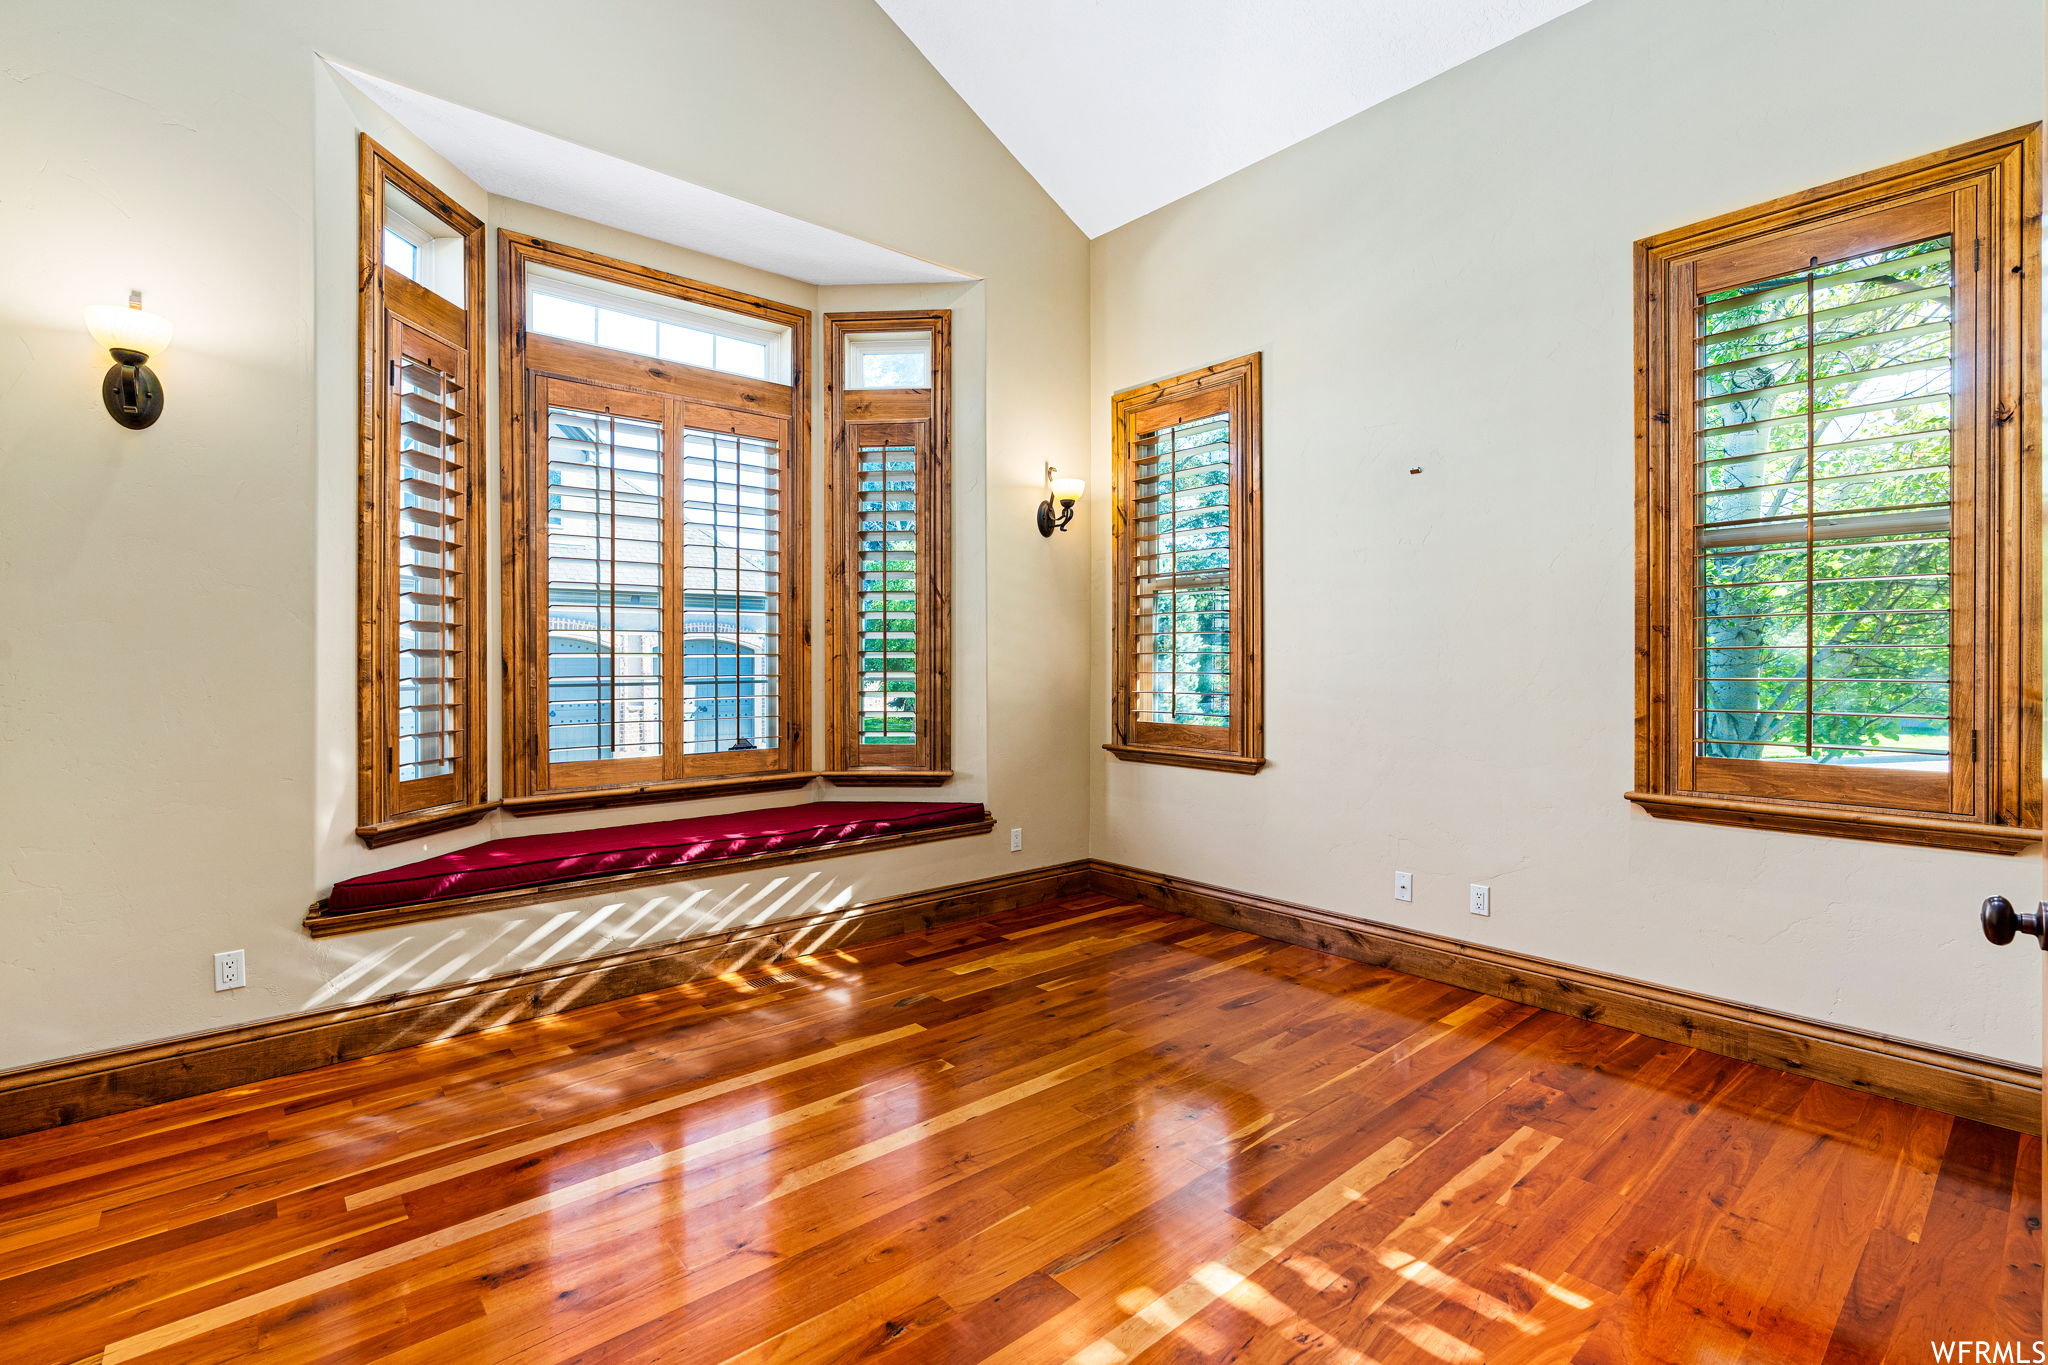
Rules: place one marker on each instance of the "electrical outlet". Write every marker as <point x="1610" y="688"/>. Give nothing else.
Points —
<point x="1016" y="841"/>
<point x="230" y="971"/>
<point x="1404" y="886"/>
<point x="1480" y="904"/>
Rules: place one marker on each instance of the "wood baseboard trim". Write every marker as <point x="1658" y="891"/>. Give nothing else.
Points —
<point x="98" y="1084"/>
<point x="74" y="1089"/>
<point x="2000" y="1093"/>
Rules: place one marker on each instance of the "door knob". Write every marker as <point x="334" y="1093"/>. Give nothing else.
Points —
<point x="2001" y="922"/>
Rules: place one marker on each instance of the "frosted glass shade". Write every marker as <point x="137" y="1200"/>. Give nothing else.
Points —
<point x="128" y="327"/>
<point x="1069" y="490"/>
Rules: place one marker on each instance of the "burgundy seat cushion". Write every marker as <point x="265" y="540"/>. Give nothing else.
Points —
<point x="535" y="860"/>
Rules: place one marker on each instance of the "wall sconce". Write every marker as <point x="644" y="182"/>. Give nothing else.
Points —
<point x="131" y="335"/>
<point x="1067" y="492"/>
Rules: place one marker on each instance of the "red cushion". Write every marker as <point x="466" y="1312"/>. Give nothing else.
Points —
<point x="533" y="860"/>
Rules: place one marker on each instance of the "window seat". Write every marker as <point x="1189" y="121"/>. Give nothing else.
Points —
<point x="536" y="867"/>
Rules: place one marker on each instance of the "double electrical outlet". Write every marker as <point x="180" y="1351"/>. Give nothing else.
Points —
<point x="230" y="970"/>
<point x="1478" y="902"/>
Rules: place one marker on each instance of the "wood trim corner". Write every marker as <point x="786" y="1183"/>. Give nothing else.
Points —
<point x="889" y="777"/>
<point x="1186" y="758"/>
<point x="436" y="821"/>
<point x="651" y="793"/>
<point x="2001" y="1093"/>
<point x="1873" y="826"/>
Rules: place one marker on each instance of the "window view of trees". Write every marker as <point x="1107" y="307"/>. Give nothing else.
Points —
<point x="887" y="605"/>
<point x="1822" y="513"/>
<point x="888" y="714"/>
<point x="1180" y="510"/>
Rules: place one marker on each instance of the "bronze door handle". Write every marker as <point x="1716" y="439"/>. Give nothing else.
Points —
<point x="2001" y="922"/>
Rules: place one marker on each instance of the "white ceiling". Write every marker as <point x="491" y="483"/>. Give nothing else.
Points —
<point x="1120" y="106"/>
<point x="521" y="163"/>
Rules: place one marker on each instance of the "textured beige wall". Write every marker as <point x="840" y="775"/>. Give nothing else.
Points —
<point x="177" y="655"/>
<point x="1444" y="281"/>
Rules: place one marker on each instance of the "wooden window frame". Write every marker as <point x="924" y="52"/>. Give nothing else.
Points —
<point x="526" y="362"/>
<point x="388" y="810"/>
<point x="922" y="418"/>
<point x="1988" y="191"/>
<point x="1232" y="386"/>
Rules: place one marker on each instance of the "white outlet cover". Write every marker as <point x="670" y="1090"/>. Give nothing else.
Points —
<point x="1481" y="900"/>
<point x="230" y="970"/>
<point x="1404" y="886"/>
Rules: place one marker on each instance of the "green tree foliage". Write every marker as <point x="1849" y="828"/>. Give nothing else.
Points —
<point x="1822" y="506"/>
<point x="1182" y="502"/>
<point x="888" y="594"/>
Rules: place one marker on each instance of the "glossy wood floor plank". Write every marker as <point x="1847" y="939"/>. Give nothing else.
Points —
<point x="1081" y="1132"/>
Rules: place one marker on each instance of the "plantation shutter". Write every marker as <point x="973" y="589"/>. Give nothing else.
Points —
<point x="1187" y="686"/>
<point x="1825" y="447"/>
<point x="420" y="538"/>
<point x="663" y="584"/>
<point x="430" y="533"/>
<point x="887" y="630"/>
<point x="890" y="605"/>
<point x="731" y="519"/>
<point x="606" y="623"/>
<point x="1181" y="532"/>
<point x="1839" y="508"/>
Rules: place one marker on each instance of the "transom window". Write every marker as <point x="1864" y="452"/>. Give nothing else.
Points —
<point x="641" y="323"/>
<point x="421" y="245"/>
<point x="888" y="360"/>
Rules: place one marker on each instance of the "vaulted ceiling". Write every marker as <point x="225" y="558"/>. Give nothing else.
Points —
<point x="1120" y="106"/>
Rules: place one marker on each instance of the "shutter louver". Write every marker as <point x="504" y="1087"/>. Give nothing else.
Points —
<point x="1187" y="687"/>
<point x="887" y="677"/>
<point x="604" y="608"/>
<point x="887" y="593"/>
<point x="419" y="538"/>
<point x="430" y="535"/>
<point x="1824" y="454"/>
<point x="1181" y="533"/>
<point x="732" y="583"/>
<point x="1838" y="508"/>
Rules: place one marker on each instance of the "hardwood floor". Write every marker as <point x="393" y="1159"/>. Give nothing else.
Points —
<point x="1080" y="1132"/>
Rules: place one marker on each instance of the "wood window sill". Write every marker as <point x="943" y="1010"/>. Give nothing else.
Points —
<point x="422" y="823"/>
<point x="1187" y="758"/>
<point x="889" y="777"/>
<point x="320" y="922"/>
<point x="1840" y="822"/>
<point x="649" y="793"/>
